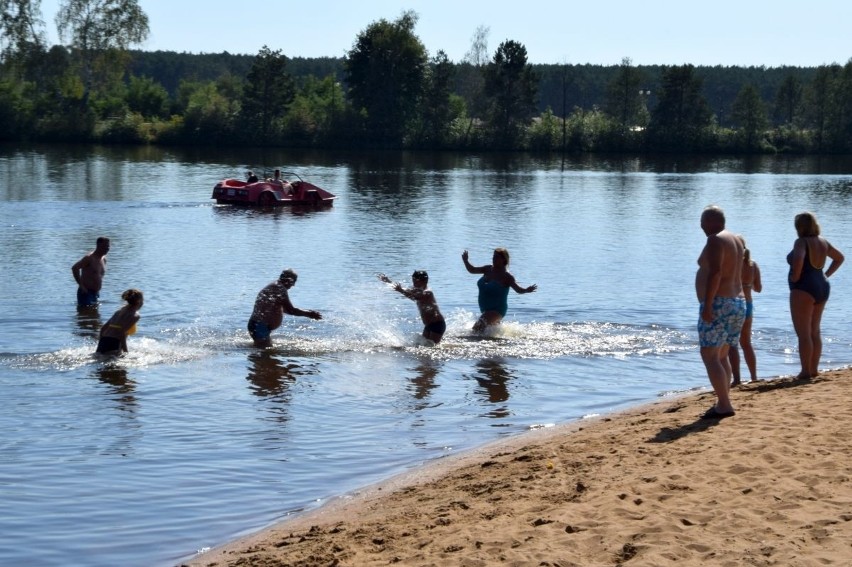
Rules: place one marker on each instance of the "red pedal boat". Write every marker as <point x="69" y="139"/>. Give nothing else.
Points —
<point x="288" y="189"/>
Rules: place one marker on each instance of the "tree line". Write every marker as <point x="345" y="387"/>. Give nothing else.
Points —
<point x="388" y="92"/>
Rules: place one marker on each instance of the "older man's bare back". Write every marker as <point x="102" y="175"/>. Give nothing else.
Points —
<point x="718" y="287"/>
<point x="719" y="267"/>
<point x="270" y="305"/>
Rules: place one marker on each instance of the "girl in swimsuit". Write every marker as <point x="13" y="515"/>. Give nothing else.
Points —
<point x="494" y="288"/>
<point x="809" y="288"/>
<point x="751" y="283"/>
<point x="113" y="338"/>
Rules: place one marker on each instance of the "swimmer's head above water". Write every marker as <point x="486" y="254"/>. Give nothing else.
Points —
<point x="288" y="275"/>
<point x="420" y="275"/>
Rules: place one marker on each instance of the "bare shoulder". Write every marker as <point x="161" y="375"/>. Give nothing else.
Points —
<point x="714" y="242"/>
<point x="729" y="237"/>
<point x="274" y="289"/>
<point x="84" y="260"/>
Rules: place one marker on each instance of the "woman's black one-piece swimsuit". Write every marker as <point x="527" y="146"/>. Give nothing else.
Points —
<point x="811" y="280"/>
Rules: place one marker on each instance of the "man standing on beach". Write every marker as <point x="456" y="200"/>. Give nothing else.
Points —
<point x="718" y="286"/>
<point x="89" y="273"/>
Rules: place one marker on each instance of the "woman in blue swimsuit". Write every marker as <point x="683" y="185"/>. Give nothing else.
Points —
<point x="494" y="288"/>
<point x="809" y="289"/>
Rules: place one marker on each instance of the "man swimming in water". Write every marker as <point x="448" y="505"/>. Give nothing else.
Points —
<point x="271" y="304"/>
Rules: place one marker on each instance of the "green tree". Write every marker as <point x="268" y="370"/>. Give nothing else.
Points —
<point x="829" y="101"/>
<point x="546" y="132"/>
<point x="21" y="42"/>
<point x="821" y="104"/>
<point x="624" y="98"/>
<point x="208" y="118"/>
<point x="99" y="33"/>
<point x="749" y="113"/>
<point x="437" y="110"/>
<point x="385" y="72"/>
<point x="268" y="91"/>
<point x="788" y="100"/>
<point x="54" y="74"/>
<point x="471" y="79"/>
<point x="147" y="97"/>
<point x="21" y="29"/>
<point x="511" y="87"/>
<point x="682" y="114"/>
<point x="313" y="110"/>
<point x="16" y="109"/>
<point x="844" y="103"/>
<point x="319" y="113"/>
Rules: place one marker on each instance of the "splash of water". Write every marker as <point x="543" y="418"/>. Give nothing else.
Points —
<point x="378" y="332"/>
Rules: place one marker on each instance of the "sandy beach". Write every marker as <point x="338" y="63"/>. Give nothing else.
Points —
<point x="652" y="486"/>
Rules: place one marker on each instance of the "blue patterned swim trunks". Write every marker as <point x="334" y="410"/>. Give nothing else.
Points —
<point x="728" y="316"/>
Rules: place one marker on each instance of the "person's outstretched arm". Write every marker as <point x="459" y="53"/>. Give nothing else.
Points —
<point x="470" y="267"/>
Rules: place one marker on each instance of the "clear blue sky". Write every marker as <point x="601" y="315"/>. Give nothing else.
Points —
<point x="666" y="32"/>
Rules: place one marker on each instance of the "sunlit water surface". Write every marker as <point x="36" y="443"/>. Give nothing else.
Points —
<point x="195" y="437"/>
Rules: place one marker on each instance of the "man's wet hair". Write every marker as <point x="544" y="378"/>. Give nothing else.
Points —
<point x="420" y="275"/>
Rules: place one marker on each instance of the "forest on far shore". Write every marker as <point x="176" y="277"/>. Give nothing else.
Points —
<point x="388" y="92"/>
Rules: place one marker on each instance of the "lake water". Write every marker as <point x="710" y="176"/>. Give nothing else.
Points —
<point x="196" y="438"/>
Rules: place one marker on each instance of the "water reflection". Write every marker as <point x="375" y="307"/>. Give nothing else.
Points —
<point x="122" y="387"/>
<point x="88" y="321"/>
<point x="493" y="377"/>
<point x="269" y="376"/>
<point x="423" y="382"/>
<point x="237" y="212"/>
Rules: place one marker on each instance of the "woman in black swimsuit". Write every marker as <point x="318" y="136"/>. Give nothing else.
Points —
<point x="809" y="289"/>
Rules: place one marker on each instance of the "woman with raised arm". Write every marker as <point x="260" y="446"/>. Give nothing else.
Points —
<point x="494" y="288"/>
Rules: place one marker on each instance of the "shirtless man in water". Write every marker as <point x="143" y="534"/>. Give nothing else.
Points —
<point x="718" y="287"/>
<point x="271" y="304"/>
<point x="89" y="273"/>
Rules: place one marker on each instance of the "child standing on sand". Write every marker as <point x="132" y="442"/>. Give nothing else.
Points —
<point x="434" y="324"/>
